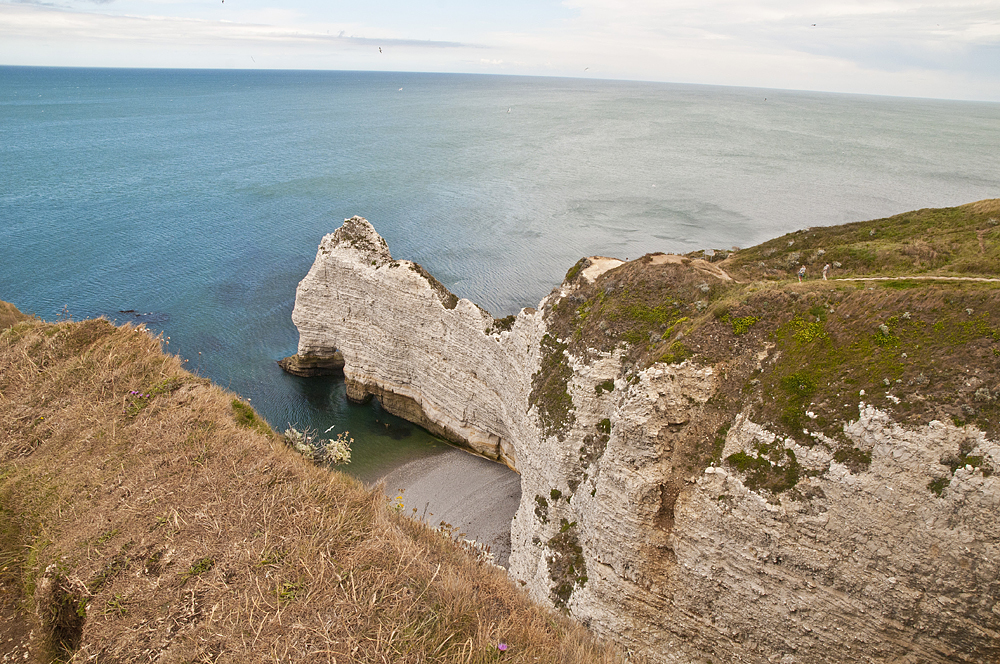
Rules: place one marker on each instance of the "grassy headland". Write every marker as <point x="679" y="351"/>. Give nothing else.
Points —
<point x="800" y="357"/>
<point x="962" y="241"/>
<point x="147" y="515"/>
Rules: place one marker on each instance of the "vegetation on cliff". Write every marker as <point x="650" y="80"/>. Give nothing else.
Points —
<point x="146" y="514"/>
<point x="549" y="388"/>
<point x="801" y="357"/>
<point x="961" y="241"/>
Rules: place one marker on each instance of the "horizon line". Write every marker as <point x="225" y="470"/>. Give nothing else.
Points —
<point x="496" y="75"/>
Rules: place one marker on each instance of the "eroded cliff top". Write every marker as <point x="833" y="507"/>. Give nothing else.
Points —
<point x="359" y="236"/>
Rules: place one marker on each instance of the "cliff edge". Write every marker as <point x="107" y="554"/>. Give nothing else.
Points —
<point x="719" y="462"/>
<point x="147" y="515"/>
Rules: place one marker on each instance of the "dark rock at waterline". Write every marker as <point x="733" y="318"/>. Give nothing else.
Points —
<point x="313" y="365"/>
<point x="148" y="317"/>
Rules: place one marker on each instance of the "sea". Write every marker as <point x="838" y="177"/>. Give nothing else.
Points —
<point x="193" y="201"/>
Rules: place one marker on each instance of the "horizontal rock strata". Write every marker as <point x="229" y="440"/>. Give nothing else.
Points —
<point x="313" y="365"/>
<point x="430" y="357"/>
<point x="622" y="526"/>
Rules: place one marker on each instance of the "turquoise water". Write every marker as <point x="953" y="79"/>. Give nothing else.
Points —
<point x="197" y="199"/>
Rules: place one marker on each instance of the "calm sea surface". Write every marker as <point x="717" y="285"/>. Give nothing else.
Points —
<point x="198" y="198"/>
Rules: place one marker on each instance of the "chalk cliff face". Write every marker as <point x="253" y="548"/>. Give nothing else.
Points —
<point x="654" y="508"/>
<point x="430" y="357"/>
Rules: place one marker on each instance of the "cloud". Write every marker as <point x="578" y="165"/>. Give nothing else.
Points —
<point x="903" y="47"/>
<point x="890" y="35"/>
<point x="57" y="24"/>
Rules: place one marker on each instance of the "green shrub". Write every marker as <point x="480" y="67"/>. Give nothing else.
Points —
<point x="575" y="270"/>
<point x="743" y="325"/>
<point x="676" y="353"/>
<point x="799" y="385"/>
<point x="605" y="386"/>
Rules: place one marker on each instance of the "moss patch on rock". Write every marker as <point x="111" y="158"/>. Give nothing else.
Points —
<point x="770" y="467"/>
<point x="575" y="271"/>
<point x="448" y="299"/>
<point x="505" y="324"/>
<point x="549" y="388"/>
<point x="567" y="566"/>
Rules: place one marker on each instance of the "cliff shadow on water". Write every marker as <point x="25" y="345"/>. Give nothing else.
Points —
<point x="424" y="476"/>
<point x="383" y="442"/>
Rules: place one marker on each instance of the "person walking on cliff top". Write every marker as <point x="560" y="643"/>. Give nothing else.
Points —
<point x="826" y="268"/>
<point x="802" y="273"/>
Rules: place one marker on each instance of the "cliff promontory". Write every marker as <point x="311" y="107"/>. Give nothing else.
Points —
<point x="719" y="462"/>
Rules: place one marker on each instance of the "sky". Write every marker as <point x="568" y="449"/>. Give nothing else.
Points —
<point x="938" y="49"/>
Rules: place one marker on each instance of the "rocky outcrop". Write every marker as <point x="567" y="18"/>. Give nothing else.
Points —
<point x="654" y="507"/>
<point x="313" y="365"/>
<point x="428" y="356"/>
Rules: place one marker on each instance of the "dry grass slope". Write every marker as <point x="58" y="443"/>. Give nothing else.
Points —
<point x="143" y="517"/>
<point x="9" y="315"/>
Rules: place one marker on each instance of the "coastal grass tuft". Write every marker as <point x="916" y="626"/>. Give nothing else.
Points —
<point x="247" y="418"/>
<point x="10" y="315"/>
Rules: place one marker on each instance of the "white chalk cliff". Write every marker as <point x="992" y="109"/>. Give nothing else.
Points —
<point x="853" y="565"/>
